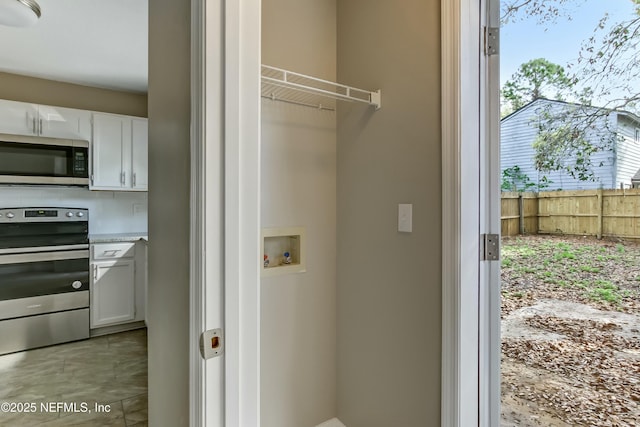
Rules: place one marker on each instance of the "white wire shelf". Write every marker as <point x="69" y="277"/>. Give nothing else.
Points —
<point x="295" y="88"/>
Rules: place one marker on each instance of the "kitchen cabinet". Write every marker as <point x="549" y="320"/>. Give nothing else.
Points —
<point x="139" y="154"/>
<point x="112" y="293"/>
<point x="113" y="288"/>
<point x="59" y="122"/>
<point x="21" y="118"/>
<point x="119" y="282"/>
<point x="119" y="153"/>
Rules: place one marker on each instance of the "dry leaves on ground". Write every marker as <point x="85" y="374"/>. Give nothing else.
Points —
<point x="574" y="371"/>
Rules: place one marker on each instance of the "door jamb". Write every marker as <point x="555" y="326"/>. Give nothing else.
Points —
<point x="460" y="212"/>
<point x="242" y="211"/>
<point x="238" y="123"/>
<point x="197" y="274"/>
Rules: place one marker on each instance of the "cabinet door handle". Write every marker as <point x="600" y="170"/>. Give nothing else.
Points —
<point x="134" y="179"/>
<point x="40" y="132"/>
<point x="34" y="126"/>
<point x="122" y="178"/>
<point x="95" y="272"/>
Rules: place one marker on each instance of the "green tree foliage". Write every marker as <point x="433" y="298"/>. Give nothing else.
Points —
<point x="608" y="64"/>
<point x="545" y="11"/>
<point x="536" y="79"/>
<point x="513" y="179"/>
<point x="568" y="138"/>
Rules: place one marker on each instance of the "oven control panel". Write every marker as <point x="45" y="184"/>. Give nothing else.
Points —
<point x="43" y="214"/>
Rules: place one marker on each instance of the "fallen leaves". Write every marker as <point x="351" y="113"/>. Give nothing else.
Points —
<point x="586" y="371"/>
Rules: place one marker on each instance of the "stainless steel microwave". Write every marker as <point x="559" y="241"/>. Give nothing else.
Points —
<point x="38" y="160"/>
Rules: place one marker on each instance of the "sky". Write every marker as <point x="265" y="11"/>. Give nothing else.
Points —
<point x="559" y="42"/>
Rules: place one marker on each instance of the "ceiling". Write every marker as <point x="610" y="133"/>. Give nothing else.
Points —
<point x="100" y="43"/>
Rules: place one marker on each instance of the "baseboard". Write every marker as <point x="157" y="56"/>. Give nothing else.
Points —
<point x="105" y="330"/>
<point x="334" y="422"/>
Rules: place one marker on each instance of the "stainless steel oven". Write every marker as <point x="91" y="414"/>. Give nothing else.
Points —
<point x="44" y="277"/>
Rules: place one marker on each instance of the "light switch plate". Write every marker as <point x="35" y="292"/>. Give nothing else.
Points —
<point x="405" y="218"/>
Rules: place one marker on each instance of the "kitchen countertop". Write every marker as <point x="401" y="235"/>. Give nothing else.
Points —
<point x="118" y="237"/>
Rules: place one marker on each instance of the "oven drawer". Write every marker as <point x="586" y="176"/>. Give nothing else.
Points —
<point x="42" y="304"/>
<point x="42" y="330"/>
<point x="113" y="250"/>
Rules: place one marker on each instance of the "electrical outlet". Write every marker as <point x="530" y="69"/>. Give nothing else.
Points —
<point x="138" y="209"/>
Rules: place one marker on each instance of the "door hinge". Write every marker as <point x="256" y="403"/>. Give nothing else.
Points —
<point x="211" y="343"/>
<point x="489" y="247"/>
<point x="491" y="41"/>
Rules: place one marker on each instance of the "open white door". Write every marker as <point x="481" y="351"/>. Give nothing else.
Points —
<point x="225" y="211"/>
<point x="470" y="335"/>
<point x="490" y="214"/>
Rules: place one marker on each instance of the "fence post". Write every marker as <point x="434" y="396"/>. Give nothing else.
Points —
<point x="521" y="212"/>
<point x="600" y="209"/>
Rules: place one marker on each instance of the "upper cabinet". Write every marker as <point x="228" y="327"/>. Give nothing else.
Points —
<point x="21" y="118"/>
<point x="139" y="153"/>
<point x="119" y="153"/>
<point x="59" y="122"/>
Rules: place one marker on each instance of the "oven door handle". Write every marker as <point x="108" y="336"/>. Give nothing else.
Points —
<point x="42" y="257"/>
<point x="11" y="251"/>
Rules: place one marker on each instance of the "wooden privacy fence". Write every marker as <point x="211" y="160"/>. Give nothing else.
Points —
<point x="611" y="213"/>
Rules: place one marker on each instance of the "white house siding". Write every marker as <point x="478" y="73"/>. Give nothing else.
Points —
<point x="519" y="131"/>
<point x="628" y="152"/>
<point x="517" y="134"/>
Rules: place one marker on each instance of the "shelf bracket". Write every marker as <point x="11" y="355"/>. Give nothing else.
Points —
<point x="376" y="99"/>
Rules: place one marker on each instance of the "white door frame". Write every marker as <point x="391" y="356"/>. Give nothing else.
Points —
<point x="242" y="212"/>
<point x="463" y="143"/>
<point x="470" y="357"/>
<point x="225" y="206"/>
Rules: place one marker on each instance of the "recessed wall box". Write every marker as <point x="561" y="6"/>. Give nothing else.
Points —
<point x="283" y="251"/>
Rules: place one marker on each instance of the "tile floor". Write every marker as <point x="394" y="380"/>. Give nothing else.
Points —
<point x="110" y="371"/>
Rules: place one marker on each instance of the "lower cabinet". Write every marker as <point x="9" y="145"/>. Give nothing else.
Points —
<point x="113" y="296"/>
<point x="118" y="283"/>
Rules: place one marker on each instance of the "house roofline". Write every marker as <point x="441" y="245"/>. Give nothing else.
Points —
<point x="629" y="114"/>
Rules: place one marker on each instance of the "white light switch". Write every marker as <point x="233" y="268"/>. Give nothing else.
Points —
<point x="405" y="218"/>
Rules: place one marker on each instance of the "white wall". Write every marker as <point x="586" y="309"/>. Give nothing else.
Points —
<point x="169" y="205"/>
<point x="298" y="311"/>
<point x="628" y="152"/>
<point x="389" y="283"/>
<point x="298" y="323"/>
<point x="109" y="211"/>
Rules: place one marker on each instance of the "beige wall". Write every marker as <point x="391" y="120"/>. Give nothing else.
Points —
<point x="48" y="92"/>
<point x="389" y="297"/>
<point x="298" y="179"/>
<point x="169" y="153"/>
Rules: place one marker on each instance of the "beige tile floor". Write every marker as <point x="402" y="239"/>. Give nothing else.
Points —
<point x="110" y="371"/>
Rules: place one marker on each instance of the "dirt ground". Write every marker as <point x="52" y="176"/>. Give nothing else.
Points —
<point x="570" y="332"/>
